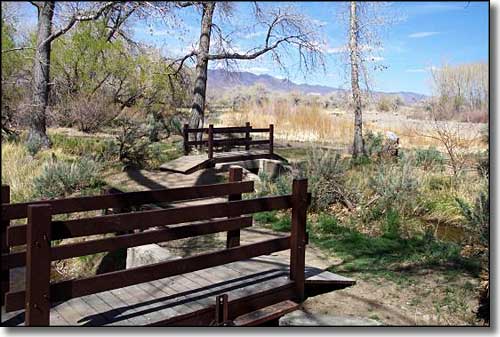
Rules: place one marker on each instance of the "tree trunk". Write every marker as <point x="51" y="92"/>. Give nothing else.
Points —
<point x="41" y="76"/>
<point x="200" y="86"/>
<point x="358" y="146"/>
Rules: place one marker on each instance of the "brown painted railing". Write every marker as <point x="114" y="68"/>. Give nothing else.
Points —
<point x="211" y="142"/>
<point x="230" y="216"/>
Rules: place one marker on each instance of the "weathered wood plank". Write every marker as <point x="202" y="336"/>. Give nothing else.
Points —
<point x="128" y="199"/>
<point x="38" y="266"/>
<point x="233" y="236"/>
<point x="259" y="316"/>
<point x="85" y="286"/>
<point x="298" y="236"/>
<point x="146" y="219"/>
<point x="67" y="251"/>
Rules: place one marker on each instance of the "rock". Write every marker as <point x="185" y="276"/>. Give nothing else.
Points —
<point x="301" y="318"/>
<point x="147" y="254"/>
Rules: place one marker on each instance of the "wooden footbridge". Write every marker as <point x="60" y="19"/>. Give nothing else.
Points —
<point x="219" y="142"/>
<point x="240" y="285"/>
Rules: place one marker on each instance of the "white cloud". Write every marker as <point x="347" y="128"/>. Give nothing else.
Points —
<point x="256" y="70"/>
<point x="419" y="35"/>
<point x="254" y="34"/>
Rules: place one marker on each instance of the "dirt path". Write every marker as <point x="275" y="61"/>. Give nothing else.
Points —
<point x="424" y="300"/>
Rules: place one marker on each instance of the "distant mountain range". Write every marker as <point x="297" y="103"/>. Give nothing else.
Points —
<point x="221" y="80"/>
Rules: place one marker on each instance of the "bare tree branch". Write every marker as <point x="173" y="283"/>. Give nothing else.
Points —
<point x="16" y="49"/>
<point x="79" y="18"/>
<point x="254" y="55"/>
<point x="184" y="4"/>
<point x="182" y="60"/>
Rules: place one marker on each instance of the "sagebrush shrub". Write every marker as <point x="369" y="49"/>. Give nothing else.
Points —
<point x="477" y="217"/>
<point x="34" y="144"/>
<point x="326" y="171"/>
<point x="396" y="186"/>
<point x="429" y="158"/>
<point x="61" y="178"/>
<point x="374" y="143"/>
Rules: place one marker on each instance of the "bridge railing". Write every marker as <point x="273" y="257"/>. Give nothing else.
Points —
<point x="40" y="231"/>
<point x="211" y="141"/>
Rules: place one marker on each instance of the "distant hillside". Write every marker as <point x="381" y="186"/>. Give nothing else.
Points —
<point x="221" y="80"/>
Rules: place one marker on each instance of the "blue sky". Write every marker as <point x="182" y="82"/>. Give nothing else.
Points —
<point x="424" y="35"/>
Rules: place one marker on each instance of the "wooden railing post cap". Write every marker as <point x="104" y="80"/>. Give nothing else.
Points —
<point x="300" y="181"/>
<point x="235" y="168"/>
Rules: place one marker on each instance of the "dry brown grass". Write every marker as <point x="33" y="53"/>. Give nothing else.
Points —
<point x="314" y="124"/>
<point x="295" y="123"/>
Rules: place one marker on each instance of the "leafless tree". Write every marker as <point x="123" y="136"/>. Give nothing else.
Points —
<point x="366" y="20"/>
<point x="358" y="146"/>
<point x="284" y="30"/>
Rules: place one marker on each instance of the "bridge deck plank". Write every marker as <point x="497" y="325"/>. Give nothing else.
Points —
<point x="159" y="300"/>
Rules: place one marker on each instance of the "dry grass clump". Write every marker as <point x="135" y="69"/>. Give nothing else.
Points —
<point x="18" y="171"/>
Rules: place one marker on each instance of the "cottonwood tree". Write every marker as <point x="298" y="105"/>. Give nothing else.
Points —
<point x="365" y="22"/>
<point x="67" y="16"/>
<point x="284" y="30"/>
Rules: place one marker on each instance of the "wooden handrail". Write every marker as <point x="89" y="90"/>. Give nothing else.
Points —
<point x="67" y="251"/>
<point x="16" y="235"/>
<point x="128" y="199"/>
<point x="211" y="141"/>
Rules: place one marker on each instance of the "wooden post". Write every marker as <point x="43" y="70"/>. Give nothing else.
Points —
<point x="298" y="236"/>
<point x="210" y="141"/>
<point x="233" y="237"/>
<point x="185" y="135"/>
<point x="38" y="265"/>
<point x="221" y="310"/>
<point x="5" y="278"/>
<point x="271" y="138"/>
<point x="247" y="136"/>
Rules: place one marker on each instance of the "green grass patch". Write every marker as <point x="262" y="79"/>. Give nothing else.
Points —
<point x="388" y="254"/>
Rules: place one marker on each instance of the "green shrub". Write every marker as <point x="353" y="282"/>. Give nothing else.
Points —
<point x="281" y="185"/>
<point x="133" y="141"/>
<point x="326" y="174"/>
<point x="439" y="182"/>
<point x="429" y="158"/>
<point x="105" y="150"/>
<point x="483" y="163"/>
<point x="374" y="143"/>
<point x="34" y="144"/>
<point x="327" y="224"/>
<point x="265" y="217"/>
<point x="392" y="224"/>
<point x="396" y="188"/>
<point x="477" y="217"/>
<point x="284" y="224"/>
<point x="61" y="178"/>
